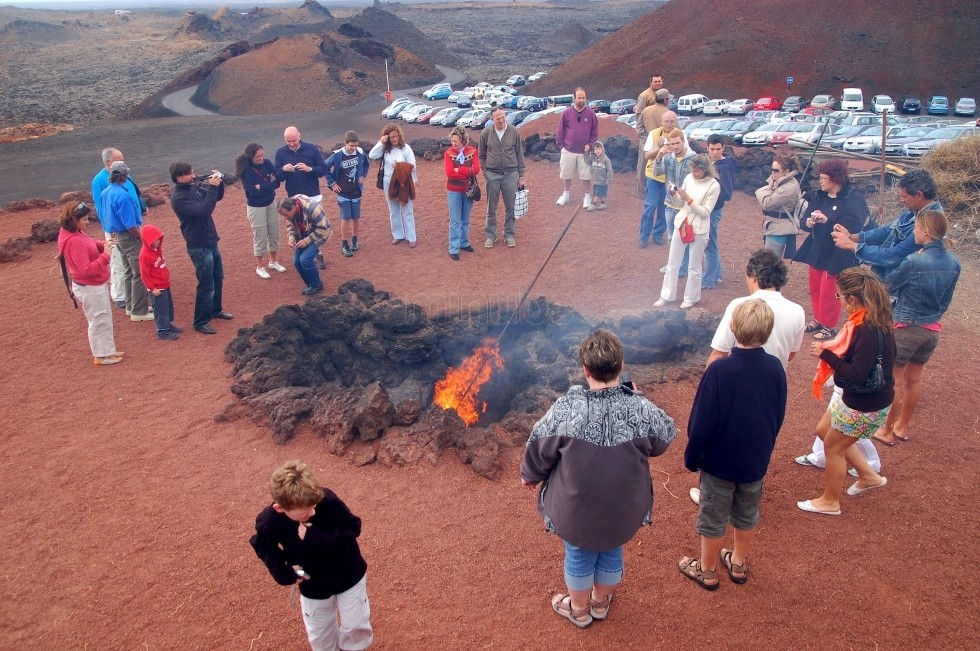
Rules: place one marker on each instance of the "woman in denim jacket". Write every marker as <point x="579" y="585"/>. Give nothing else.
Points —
<point x="923" y="288"/>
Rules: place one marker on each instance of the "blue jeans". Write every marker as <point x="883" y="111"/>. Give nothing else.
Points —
<point x="653" y="220"/>
<point x="584" y="567"/>
<point x="460" y="208"/>
<point x="210" y="277"/>
<point x="163" y="310"/>
<point x="304" y="260"/>
<point x="783" y="245"/>
<point x="712" y="259"/>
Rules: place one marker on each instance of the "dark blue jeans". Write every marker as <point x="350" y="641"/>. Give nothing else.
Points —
<point x="712" y="259"/>
<point x="210" y="277"/>
<point x="653" y="219"/>
<point x="163" y="310"/>
<point x="304" y="260"/>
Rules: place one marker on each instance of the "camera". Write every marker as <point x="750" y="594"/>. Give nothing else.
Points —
<point x="663" y="142"/>
<point x="301" y="573"/>
<point x="626" y="380"/>
<point x="672" y="188"/>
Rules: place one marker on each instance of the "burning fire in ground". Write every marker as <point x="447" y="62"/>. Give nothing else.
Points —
<point x="460" y="386"/>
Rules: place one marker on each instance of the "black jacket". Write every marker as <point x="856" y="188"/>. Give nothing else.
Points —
<point x="850" y="210"/>
<point x="193" y="205"/>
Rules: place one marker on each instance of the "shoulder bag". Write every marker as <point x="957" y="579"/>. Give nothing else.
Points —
<point x="686" y="230"/>
<point x="473" y="191"/>
<point x="876" y="379"/>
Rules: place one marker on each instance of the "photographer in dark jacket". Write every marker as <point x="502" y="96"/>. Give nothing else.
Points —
<point x="193" y="201"/>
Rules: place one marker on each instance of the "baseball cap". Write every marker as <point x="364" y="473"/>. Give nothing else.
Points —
<point x="118" y="167"/>
<point x="663" y="93"/>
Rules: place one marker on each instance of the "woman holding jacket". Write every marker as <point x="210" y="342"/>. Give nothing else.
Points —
<point x="461" y="163"/>
<point x="258" y="177"/>
<point x="859" y="406"/>
<point x="779" y="198"/>
<point x="835" y="203"/>
<point x="699" y="193"/>
<point x="400" y="175"/>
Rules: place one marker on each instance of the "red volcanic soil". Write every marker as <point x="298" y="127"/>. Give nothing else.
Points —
<point x="127" y="509"/>
<point x="749" y="47"/>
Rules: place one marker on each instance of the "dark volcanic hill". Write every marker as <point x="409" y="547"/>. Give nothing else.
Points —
<point x="748" y="48"/>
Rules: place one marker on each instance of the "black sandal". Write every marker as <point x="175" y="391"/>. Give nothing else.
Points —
<point x="812" y="326"/>
<point x="825" y="334"/>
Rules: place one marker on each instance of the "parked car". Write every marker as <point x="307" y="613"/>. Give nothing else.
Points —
<point x="909" y="104"/>
<point x="440" y="114"/>
<point x="759" y="115"/>
<point x="628" y="118"/>
<point x="672" y="104"/>
<point x="759" y="136"/>
<point x="881" y="103"/>
<point x="788" y="130"/>
<point x="837" y="140"/>
<point x="412" y="114"/>
<point x="739" y="106"/>
<point x="517" y="117"/>
<point x="706" y="127"/>
<point x="739" y="128"/>
<point x="683" y="121"/>
<point x="537" y="76"/>
<point x="867" y="118"/>
<point x="922" y="120"/>
<point x="439" y="91"/>
<point x="819" y="131"/>
<point x="480" y="120"/>
<point x="397" y="105"/>
<point x="869" y="143"/>
<point x="400" y="113"/>
<point x="715" y="107"/>
<point x="838" y="116"/>
<point x="938" y="105"/>
<point x="780" y="117"/>
<point x="965" y="106"/>
<point x="535" y="104"/>
<point x="621" y="106"/>
<point x="427" y="116"/>
<point x="852" y="99"/>
<point x="516" y="80"/>
<point x="465" y="119"/>
<point x="767" y="103"/>
<point x="939" y="136"/>
<point x="823" y="101"/>
<point x="465" y="99"/>
<point x="600" y="105"/>
<point x="896" y="146"/>
<point x="794" y="104"/>
<point x="691" y="104"/>
<point x="815" y="110"/>
<point x="449" y="119"/>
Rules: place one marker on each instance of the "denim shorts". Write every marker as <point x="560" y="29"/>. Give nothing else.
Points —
<point x="349" y="208"/>
<point x="600" y="190"/>
<point x="914" y="344"/>
<point x="725" y="501"/>
<point x="584" y="567"/>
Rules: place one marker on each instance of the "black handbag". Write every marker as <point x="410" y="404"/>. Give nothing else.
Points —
<point x="876" y="379"/>
<point x="473" y="191"/>
<point x="381" y="173"/>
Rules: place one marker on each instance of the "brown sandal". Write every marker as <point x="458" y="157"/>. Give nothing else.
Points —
<point x="600" y="609"/>
<point x="562" y="604"/>
<point x="691" y="568"/>
<point x="726" y="559"/>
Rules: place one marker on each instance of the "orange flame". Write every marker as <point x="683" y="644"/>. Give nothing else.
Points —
<point x="467" y="378"/>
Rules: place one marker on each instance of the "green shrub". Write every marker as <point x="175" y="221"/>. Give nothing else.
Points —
<point x="956" y="167"/>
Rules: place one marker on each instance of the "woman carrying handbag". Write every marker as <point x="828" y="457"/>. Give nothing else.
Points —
<point x="699" y="194"/>
<point x="462" y="165"/>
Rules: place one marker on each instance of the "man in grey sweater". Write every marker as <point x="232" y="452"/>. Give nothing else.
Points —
<point x="502" y="162"/>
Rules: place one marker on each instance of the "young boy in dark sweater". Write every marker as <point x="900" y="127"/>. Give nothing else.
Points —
<point x="309" y="536"/>
<point x="346" y="169"/>
<point x="737" y="412"/>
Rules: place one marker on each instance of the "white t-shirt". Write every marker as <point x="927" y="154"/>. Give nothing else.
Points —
<point x="787" y="329"/>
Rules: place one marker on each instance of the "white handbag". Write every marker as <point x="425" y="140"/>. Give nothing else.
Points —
<point x="520" y="203"/>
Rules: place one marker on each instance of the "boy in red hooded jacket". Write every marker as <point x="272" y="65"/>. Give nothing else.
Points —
<point x="156" y="277"/>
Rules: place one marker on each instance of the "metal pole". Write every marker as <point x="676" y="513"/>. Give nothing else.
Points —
<point x="387" y="81"/>
<point x="881" y="189"/>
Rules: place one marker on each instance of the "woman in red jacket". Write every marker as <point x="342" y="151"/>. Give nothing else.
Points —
<point x="87" y="263"/>
<point x="462" y="163"/>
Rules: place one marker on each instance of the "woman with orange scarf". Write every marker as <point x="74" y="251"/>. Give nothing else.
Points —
<point x="866" y="340"/>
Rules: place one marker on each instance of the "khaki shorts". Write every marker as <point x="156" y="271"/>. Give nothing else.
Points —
<point x="914" y="344"/>
<point x="571" y="163"/>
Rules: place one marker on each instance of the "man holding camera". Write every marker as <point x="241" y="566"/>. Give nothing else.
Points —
<point x="193" y="201"/>
<point x="653" y="221"/>
<point x="300" y="166"/>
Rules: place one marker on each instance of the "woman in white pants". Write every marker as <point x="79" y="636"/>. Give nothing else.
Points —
<point x="699" y="192"/>
<point x="87" y="265"/>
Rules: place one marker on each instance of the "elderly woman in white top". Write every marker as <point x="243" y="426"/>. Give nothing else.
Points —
<point x="393" y="149"/>
<point x="699" y="194"/>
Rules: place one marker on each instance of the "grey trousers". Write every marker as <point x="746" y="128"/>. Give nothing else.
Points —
<point x="135" y="291"/>
<point x="505" y="186"/>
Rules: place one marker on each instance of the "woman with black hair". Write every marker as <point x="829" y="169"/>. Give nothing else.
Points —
<point x="258" y="177"/>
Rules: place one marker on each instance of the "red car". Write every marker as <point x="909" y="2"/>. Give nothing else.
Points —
<point x="814" y="110"/>
<point x="768" y="104"/>
<point x="425" y="117"/>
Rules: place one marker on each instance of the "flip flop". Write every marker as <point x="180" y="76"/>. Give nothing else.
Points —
<point x="691" y="568"/>
<point x="890" y="444"/>
<point x="854" y="489"/>
<point x="807" y="506"/>
<point x="726" y="559"/>
<point x="903" y="439"/>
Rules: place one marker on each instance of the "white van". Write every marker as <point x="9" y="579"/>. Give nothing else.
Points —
<point x="691" y="104"/>
<point x="852" y="99"/>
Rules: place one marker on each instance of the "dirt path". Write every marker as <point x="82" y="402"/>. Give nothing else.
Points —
<point x="127" y="509"/>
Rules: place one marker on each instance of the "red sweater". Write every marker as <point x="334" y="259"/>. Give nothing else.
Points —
<point x="153" y="266"/>
<point x="459" y="181"/>
<point x="84" y="257"/>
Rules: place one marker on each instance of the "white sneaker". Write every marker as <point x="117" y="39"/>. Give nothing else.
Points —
<point x="687" y="305"/>
<point x="563" y="199"/>
<point x="695" y="494"/>
<point x="275" y="266"/>
<point x="591" y="208"/>
<point x="587" y="201"/>
<point x="262" y="273"/>
<point x="660" y="302"/>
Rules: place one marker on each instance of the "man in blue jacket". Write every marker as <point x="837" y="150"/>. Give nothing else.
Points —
<point x="884" y="248"/>
<point x="122" y="219"/>
<point x="300" y="166"/>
